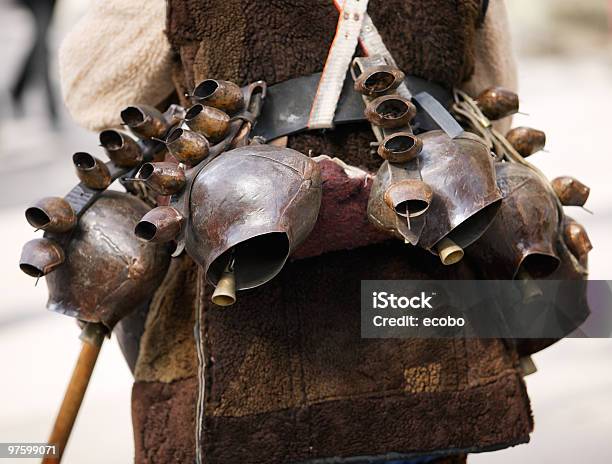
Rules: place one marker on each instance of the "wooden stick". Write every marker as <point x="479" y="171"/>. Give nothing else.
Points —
<point x="92" y="337"/>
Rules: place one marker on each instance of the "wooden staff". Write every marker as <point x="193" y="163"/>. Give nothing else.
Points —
<point x="92" y="337"/>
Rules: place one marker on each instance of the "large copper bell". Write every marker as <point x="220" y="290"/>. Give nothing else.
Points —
<point x="443" y="200"/>
<point x="461" y="174"/>
<point x="521" y="241"/>
<point x="252" y="205"/>
<point x="241" y="215"/>
<point x="107" y="271"/>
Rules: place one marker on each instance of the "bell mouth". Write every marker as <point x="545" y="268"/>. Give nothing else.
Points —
<point x="133" y="116"/>
<point x="32" y="270"/>
<point x="146" y="171"/>
<point x="379" y="81"/>
<point x="37" y="217"/>
<point x="193" y="112"/>
<point x="83" y="161"/>
<point x="538" y="265"/>
<point x="474" y="226"/>
<point x="256" y="260"/>
<point x="111" y="140"/>
<point x="392" y="109"/>
<point x="175" y="135"/>
<point x="411" y="208"/>
<point x="206" y="89"/>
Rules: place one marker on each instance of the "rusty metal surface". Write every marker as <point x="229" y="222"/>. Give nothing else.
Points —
<point x="211" y="122"/>
<point x="261" y="202"/>
<point x="390" y="111"/>
<point x="53" y="214"/>
<point x="187" y="146"/>
<point x="577" y="240"/>
<point x="41" y="256"/>
<point x="465" y="199"/>
<point x="497" y="102"/>
<point x="91" y="171"/>
<point x="385" y="216"/>
<point x="122" y="150"/>
<point x="145" y="121"/>
<point x="223" y="95"/>
<point x="164" y="177"/>
<point x="570" y="191"/>
<point x="526" y="140"/>
<point x="161" y="224"/>
<point x="378" y="80"/>
<point x="400" y="147"/>
<point x="107" y="272"/>
<point x="524" y="233"/>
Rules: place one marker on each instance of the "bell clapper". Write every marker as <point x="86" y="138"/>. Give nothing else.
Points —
<point x="225" y="291"/>
<point x="449" y="251"/>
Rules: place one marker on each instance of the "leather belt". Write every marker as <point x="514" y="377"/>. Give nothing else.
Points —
<point x="287" y="107"/>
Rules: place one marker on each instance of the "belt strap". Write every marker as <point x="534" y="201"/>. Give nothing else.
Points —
<point x="287" y="105"/>
<point x="340" y="54"/>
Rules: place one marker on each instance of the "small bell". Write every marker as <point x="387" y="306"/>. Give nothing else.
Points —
<point x="211" y="122"/>
<point x="92" y="172"/>
<point x="164" y="177"/>
<point x="497" y="103"/>
<point x="570" y="191"/>
<point x="223" y="95"/>
<point x="526" y="141"/>
<point x="53" y="214"/>
<point x="187" y="146"/>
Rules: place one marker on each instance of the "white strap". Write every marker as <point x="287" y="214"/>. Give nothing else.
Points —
<point x="352" y="13"/>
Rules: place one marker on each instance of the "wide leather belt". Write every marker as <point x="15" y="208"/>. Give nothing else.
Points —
<point x="287" y="107"/>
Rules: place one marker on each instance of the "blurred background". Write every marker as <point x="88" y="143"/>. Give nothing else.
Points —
<point x="564" y="50"/>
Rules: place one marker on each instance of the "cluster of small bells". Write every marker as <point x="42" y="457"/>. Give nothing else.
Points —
<point x="215" y="123"/>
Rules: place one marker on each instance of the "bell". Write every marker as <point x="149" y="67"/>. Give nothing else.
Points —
<point x="223" y="95"/>
<point x="390" y="112"/>
<point x="379" y="80"/>
<point x="187" y="146"/>
<point x="520" y="243"/>
<point x="570" y="191"/>
<point x="145" y="121"/>
<point x="577" y="240"/>
<point x="103" y="279"/>
<point x="161" y="224"/>
<point x="497" y="103"/>
<point x="41" y="256"/>
<point x="164" y="177"/>
<point x="92" y="172"/>
<point x="397" y="199"/>
<point x="400" y="147"/>
<point x="526" y="141"/>
<point x="255" y="205"/>
<point x="53" y="214"/>
<point x="465" y="197"/>
<point x="120" y="148"/>
<point x="208" y="121"/>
